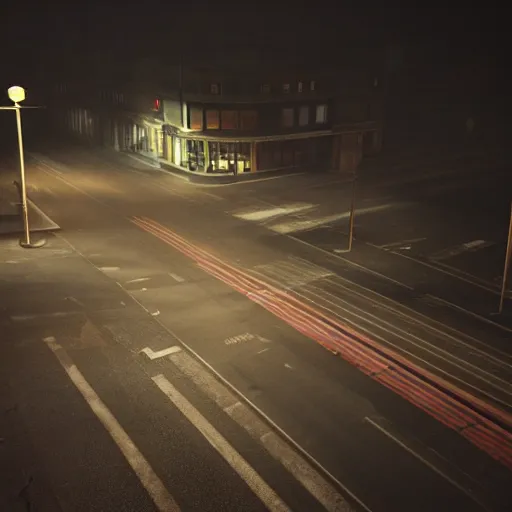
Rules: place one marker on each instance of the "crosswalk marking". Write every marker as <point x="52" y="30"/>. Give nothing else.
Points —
<point x="293" y="272"/>
<point x="260" y="214"/>
<point x="472" y="246"/>
<point x="291" y="218"/>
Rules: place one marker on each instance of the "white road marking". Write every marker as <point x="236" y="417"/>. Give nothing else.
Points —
<point x="177" y="277"/>
<point x="160" y="353"/>
<point x="234" y="340"/>
<point x="289" y="454"/>
<point x="400" y="243"/>
<point x="139" y="280"/>
<point x="108" y="269"/>
<point x="145" y="473"/>
<point x="250" y="182"/>
<point x="419" y="457"/>
<point x="305" y="225"/>
<point x="76" y="301"/>
<point x="262" y="490"/>
<point x="459" y="249"/>
<point x="255" y="215"/>
<point x="294" y="271"/>
<point x="35" y="316"/>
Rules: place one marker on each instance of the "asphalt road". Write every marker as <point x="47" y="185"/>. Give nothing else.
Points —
<point x="118" y="289"/>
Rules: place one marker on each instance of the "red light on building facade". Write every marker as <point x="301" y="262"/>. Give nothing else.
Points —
<point x="156" y="104"/>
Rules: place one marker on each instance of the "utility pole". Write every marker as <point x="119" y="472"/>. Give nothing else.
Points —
<point x="352" y="213"/>
<point x="508" y="257"/>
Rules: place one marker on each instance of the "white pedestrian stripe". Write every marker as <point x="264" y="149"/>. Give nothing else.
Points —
<point x="259" y="214"/>
<point x="276" y="445"/>
<point x="293" y="272"/>
<point x="296" y="217"/>
<point x="159" y="494"/>
<point x="401" y="244"/>
<point x="305" y="225"/>
<point x="472" y="246"/>
<point x="262" y="490"/>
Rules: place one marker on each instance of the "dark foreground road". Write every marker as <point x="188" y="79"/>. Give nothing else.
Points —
<point x="153" y="362"/>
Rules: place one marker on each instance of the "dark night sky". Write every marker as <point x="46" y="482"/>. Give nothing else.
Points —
<point x="129" y="28"/>
<point x="447" y="51"/>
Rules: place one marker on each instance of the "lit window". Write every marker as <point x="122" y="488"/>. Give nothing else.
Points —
<point x="214" y="88"/>
<point x="286" y="87"/>
<point x="312" y="85"/>
<point x="212" y="120"/>
<point x="299" y="87"/>
<point x="303" y="116"/>
<point x="265" y="88"/>
<point x="321" y="114"/>
<point x="229" y="119"/>
<point x="287" y="117"/>
<point x="196" y="118"/>
<point x="248" y="119"/>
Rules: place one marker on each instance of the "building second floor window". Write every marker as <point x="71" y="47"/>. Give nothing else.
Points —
<point x="265" y="88"/>
<point x="287" y="116"/>
<point x="212" y="120"/>
<point x="214" y="88"/>
<point x="300" y="86"/>
<point x="312" y="85"/>
<point x="229" y="120"/>
<point x="248" y="119"/>
<point x="321" y="114"/>
<point x="303" y="116"/>
<point x="286" y="88"/>
<point x="196" y="118"/>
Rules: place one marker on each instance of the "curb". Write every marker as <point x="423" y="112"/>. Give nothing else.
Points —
<point x="226" y="179"/>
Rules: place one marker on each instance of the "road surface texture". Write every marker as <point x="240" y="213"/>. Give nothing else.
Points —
<point x="171" y="347"/>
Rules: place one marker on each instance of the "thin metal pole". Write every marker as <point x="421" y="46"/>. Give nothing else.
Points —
<point x="507" y="263"/>
<point x="22" y="172"/>
<point x="352" y="212"/>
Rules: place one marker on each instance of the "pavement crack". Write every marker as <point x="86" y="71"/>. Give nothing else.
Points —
<point x="23" y="494"/>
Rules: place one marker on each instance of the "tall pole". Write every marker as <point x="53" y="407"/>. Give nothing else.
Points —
<point x="25" y="242"/>
<point x="352" y="214"/>
<point x="508" y="256"/>
<point x="181" y="89"/>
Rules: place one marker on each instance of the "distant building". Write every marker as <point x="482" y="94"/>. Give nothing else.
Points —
<point x="243" y="116"/>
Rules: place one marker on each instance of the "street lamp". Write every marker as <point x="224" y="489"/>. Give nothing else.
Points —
<point x="17" y="95"/>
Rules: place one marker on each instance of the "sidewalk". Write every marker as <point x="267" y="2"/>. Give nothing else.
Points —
<point x="11" y="221"/>
<point x="24" y="485"/>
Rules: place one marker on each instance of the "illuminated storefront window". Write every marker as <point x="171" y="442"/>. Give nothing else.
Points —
<point x="234" y="157"/>
<point x="195" y="155"/>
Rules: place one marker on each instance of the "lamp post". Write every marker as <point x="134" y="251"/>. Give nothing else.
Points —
<point x="17" y="95"/>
